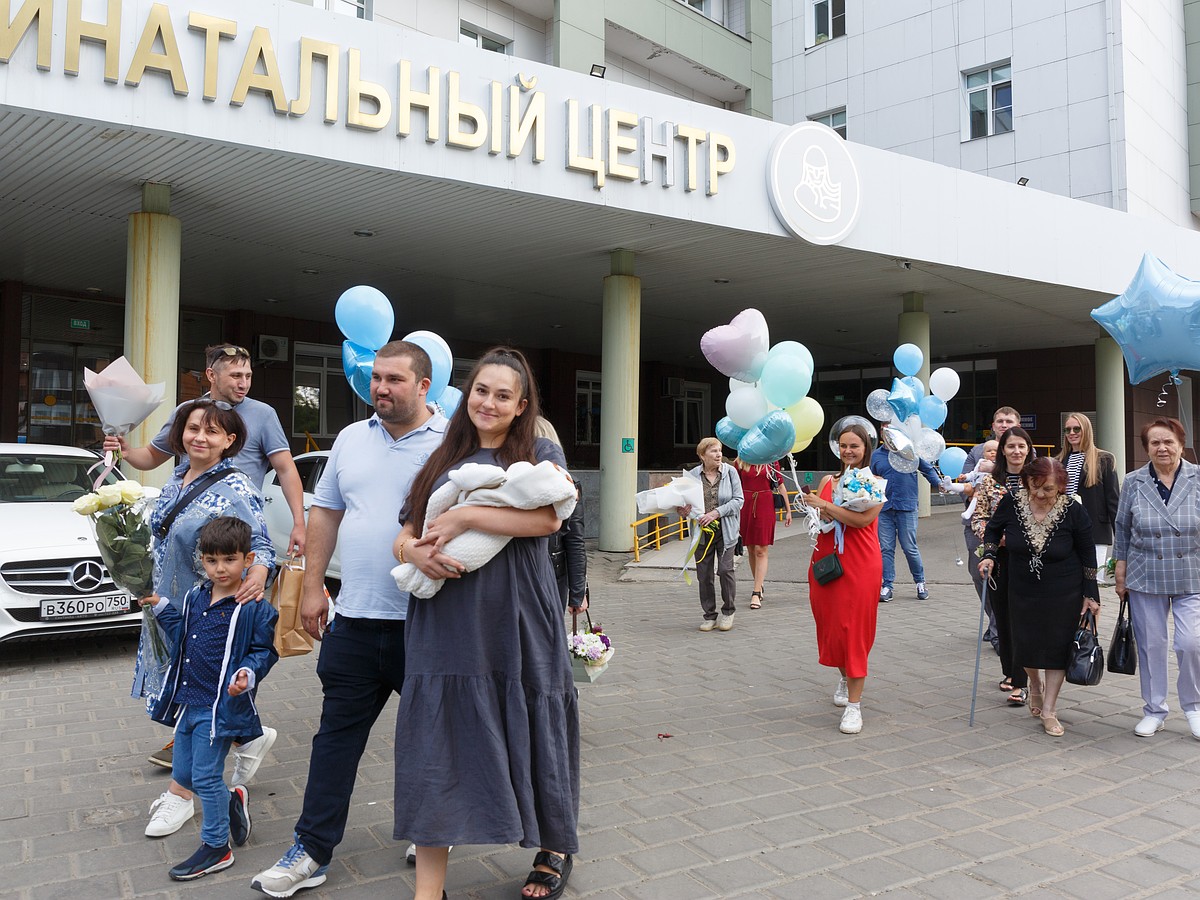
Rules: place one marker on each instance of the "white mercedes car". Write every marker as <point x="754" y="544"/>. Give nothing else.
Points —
<point x="52" y="580"/>
<point x="279" y="518"/>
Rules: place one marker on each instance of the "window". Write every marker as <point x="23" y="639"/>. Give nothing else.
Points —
<point x="470" y="35"/>
<point x="827" y="19"/>
<point x="587" y="408"/>
<point x="322" y="402"/>
<point x="691" y="414"/>
<point x="989" y="101"/>
<point x="359" y="9"/>
<point x="835" y="119"/>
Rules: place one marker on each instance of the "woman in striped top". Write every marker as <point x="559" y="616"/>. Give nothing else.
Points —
<point x="1092" y="474"/>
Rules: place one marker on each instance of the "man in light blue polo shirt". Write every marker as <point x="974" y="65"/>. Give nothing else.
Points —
<point x="357" y="506"/>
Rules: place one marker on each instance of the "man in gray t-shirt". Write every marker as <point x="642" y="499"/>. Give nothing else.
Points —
<point x="266" y="446"/>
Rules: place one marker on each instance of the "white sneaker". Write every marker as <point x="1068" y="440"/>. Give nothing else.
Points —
<point x="249" y="756"/>
<point x="296" y="871"/>
<point x="708" y="624"/>
<point x="724" y="623"/>
<point x="168" y="814"/>
<point x="841" y="694"/>
<point x="1194" y="723"/>
<point x="851" y="721"/>
<point x="1150" y="725"/>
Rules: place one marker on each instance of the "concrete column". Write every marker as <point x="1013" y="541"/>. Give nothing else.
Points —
<point x="152" y="307"/>
<point x="1111" y="433"/>
<point x="620" y="362"/>
<point x="577" y="36"/>
<point x="912" y="327"/>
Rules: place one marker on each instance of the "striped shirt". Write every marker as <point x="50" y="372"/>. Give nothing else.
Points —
<point x="1074" y="473"/>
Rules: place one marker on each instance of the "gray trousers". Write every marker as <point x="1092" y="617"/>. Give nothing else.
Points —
<point x="722" y="557"/>
<point x="1148" y="613"/>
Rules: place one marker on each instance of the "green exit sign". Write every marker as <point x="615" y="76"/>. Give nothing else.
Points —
<point x="82" y="324"/>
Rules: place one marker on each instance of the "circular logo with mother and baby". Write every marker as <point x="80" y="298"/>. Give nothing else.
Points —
<point x="813" y="183"/>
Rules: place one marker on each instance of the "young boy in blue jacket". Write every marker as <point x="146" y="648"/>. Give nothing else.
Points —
<point x="222" y="650"/>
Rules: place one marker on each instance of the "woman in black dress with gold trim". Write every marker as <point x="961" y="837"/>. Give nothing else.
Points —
<point x="1051" y="578"/>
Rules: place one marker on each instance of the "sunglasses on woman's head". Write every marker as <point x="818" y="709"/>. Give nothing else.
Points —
<point x="1074" y="429"/>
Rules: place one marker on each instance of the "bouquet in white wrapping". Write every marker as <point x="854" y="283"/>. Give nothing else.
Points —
<point x="522" y="485"/>
<point x="680" y="491"/>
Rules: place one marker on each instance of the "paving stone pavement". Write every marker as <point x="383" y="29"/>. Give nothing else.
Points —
<point x="712" y="767"/>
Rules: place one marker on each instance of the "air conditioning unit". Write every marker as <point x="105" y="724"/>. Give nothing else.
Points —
<point x="673" y="387"/>
<point x="272" y="348"/>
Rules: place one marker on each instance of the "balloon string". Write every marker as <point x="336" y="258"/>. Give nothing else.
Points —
<point x="1163" y="394"/>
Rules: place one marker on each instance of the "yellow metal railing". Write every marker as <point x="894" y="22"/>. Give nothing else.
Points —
<point x="657" y="533"/>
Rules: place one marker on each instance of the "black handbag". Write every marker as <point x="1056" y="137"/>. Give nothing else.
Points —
<point x="1122" y="651"/>
<point x="1085" y="664"/>
<point x="827" y="569"/>
<point x="779" y="500"/>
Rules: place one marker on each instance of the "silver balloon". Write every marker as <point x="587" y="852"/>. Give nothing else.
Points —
<point x="930" y="445"/>
<point x="902" y="463"/>
<point x="840" y="425"/>
<point x="878" y="406"/>
<point x="898" y="441"/>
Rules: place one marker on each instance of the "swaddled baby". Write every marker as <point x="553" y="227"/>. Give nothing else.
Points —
<point x="522" y="485"/>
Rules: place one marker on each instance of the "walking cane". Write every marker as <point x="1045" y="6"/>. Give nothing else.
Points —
<point x="978" y="651"/>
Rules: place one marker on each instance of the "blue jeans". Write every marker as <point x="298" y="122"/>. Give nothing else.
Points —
<point x="902" y="524"/>
<point x="198" y="764"/>
<point x="361" y="665"/>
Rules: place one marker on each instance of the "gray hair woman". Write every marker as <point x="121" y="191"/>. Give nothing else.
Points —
<point x="723" y="498"/>
<point x="1157" y="554"/>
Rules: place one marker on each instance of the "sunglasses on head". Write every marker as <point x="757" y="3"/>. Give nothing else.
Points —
<point x="1074" y="429"/>
<point x="219" y="404"/>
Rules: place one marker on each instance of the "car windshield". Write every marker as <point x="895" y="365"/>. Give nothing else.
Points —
<point x="38" y="478"/>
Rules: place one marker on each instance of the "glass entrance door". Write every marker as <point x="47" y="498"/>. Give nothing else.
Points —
<point x="60" y="411"/>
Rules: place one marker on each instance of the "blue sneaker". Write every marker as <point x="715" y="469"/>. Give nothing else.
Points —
<point x="294" y="872"/>
<point x="239" y="815"/>
<point x="885" y="595"/>
<point x="922" y="592"/>
<point x="206" y="859"/>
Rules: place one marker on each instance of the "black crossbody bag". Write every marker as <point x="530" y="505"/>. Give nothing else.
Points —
<point x="194" y="490"/>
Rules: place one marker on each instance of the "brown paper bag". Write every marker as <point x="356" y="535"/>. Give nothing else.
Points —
<point x="290" y="637"/>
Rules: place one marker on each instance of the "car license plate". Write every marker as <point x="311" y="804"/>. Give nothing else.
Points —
<point x="86" y="607"/>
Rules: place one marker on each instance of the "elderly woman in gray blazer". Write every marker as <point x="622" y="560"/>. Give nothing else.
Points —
<point x="723" y="500"/>
<point x="1157" y="555"/>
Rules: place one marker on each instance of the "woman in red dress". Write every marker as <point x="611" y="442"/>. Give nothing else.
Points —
<point x="846" y="607"/>
<point x="759" y="485"/>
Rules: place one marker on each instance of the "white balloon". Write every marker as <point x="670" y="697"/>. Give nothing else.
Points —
<point x="944" y="383"/>
<point x="902" y="463"/>
<point x="735" y="385"/>
<point x="878" y="406"/>
<point x="746" y="406"/>
<point x="930" y="445"/>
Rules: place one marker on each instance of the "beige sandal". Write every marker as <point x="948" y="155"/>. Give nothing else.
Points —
<point x="1035" y="704"/>
<point x="1052" y="726"/>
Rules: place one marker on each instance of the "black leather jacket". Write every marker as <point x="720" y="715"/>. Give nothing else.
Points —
<point x="569" y="556"/>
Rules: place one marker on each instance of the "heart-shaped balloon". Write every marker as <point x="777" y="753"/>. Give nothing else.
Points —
<point x="770" y="439"/>
<point x="738" y="349"/>
<point x="729" y="432"/>
<point x="896" y="440"/>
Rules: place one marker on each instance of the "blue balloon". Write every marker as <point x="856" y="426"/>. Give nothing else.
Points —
<point x="439" y="356"/>
<point x="729" y="432"/>
<point x="951" y="461"/>
<point x="916" y="384"/>
<point x="365" y="316"/>
<point x="903" y="400"/>
<point x="448" y="400"/>
<point x="933" y="411"/>
<point x="357" y="362"/>
<point x="1156" y="321"/>
<point x="793" y="348"/>
<point x="908" y="359"/>
<point x="770" y="439"/>
<point x="785" y="379"/>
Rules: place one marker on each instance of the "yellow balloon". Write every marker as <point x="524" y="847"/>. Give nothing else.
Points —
<point x="801" y="445"/>
<point x="807" y="416"/>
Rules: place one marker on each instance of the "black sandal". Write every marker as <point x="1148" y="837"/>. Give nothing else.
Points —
<point x="1006" y="685"/>
<point x="556" y="881"/>
<point x="756" y="604"/>
<point x="1018" y="697"/>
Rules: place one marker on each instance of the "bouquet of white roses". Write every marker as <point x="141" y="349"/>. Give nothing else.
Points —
<point x="119" y="513"/>
<point x="860" y="489"/>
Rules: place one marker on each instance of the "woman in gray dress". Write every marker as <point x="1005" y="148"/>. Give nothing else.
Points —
<point x="487" y="734"/>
